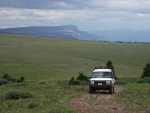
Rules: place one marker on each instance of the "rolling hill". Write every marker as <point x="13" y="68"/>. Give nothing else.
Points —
<point x="39" y="58"/>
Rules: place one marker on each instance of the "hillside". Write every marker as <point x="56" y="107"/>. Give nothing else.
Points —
<point x="73" y="32"/>
<point x="44" y="58"/>
<point x="65" y="31"/>
<point x="47" y="64"/>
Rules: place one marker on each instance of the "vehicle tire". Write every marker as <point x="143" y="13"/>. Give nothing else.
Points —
<point x="91" y="90"/>
<point x="111" y="90"/>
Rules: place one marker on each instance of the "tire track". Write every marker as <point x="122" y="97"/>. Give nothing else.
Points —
<point x="100" y="102"/>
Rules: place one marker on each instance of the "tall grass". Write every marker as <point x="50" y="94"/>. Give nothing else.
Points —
<point x="49" y="97"/>
<point x="136" y="97"/>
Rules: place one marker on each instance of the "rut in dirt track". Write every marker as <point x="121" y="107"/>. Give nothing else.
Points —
<point x="98" y="103"/>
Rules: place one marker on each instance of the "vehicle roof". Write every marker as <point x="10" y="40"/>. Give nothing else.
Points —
<point x="102" y="70"/>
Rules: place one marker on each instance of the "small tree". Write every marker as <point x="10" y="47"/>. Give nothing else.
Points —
<point x="71" y="80"/>
<point x="146" y="71"/>
<point x="82" y="77"/>
<point x="109" y="65"/>
<point x="22" y="79"/>
<point x="6" y="76"/>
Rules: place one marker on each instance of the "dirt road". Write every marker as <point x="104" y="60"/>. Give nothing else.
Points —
<point x="99" y="103"/>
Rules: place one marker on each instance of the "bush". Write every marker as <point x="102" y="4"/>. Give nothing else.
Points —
<point x="109" y="65"/>
<point x="22" y="79"/>
<point x="146" y="71"/>
<point x="73" y="81"/>
<point x="13" y="95"/>
<point x="8" y="78"/>
<point x="32" y="105"/>
<point x="82" y="77"/>
<point x="3" y="82"/>
<point x="143" y="80"/>
<point x="80" y="80"/>
<point x="140" y="81"/>
<point x="25" y="95"/>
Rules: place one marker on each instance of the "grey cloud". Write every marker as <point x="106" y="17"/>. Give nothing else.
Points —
<point x="112" y="5"/>
<point x="99" y="14"/>
<point x="46" y="4"/>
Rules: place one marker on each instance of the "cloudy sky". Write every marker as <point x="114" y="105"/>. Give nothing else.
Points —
<point x="86" y="14"/>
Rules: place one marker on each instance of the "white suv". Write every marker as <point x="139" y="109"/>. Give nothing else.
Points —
<point x="102" y="79"/>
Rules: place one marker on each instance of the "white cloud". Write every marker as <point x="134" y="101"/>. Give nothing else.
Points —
<point x="122" y="5"/>
<point x="61" y="4"/>
<point x="86" y="19"/>
<point x="30" y="17"/>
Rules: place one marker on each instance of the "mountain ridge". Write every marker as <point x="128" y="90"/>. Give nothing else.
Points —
<point x="72" y="32"/>
<point x="65" y="31"/>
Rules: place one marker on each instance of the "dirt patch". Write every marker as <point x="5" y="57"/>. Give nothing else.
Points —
<point x="100" y="102"/>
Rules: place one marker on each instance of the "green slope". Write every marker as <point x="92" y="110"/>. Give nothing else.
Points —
<point x="40" y="58"/>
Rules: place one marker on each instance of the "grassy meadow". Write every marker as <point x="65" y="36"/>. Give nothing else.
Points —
<point x="41" y="58"/>
<point x="136" y="97"/>
<point x="46" y="63"/>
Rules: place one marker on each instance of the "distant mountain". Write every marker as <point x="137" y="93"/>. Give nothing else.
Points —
<point x="66" y="31"/>
<point x="72" y="32"/>
<point x="125" y="35"/>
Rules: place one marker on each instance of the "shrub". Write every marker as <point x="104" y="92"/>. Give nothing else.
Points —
<point x="22" y="79"/>
<point x="147" y="80"/>
<point x="32" y="105"/>
<point x="146" y="71"/>
<point x="13" y="95"/>
<point x="140" y="81"/>
<point x="42" y="82"/>
<point x="73" y="81"/>
<point x="80" y="80"/>
<point x="143" y="80"/>
<point x="3" y="82"/>
<point x="82" y="77"/>
<point x="8" y="78"/>
<point x="25" y="95"/>
<point x="109" y="65"/>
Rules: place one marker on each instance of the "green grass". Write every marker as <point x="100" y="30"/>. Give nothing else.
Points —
<point x="136" y="97"/>
<point x="39" y="58"/>
<point x="48" y="96"/>
<point x="46" y="63"/>
<point x="127" y="80"/>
